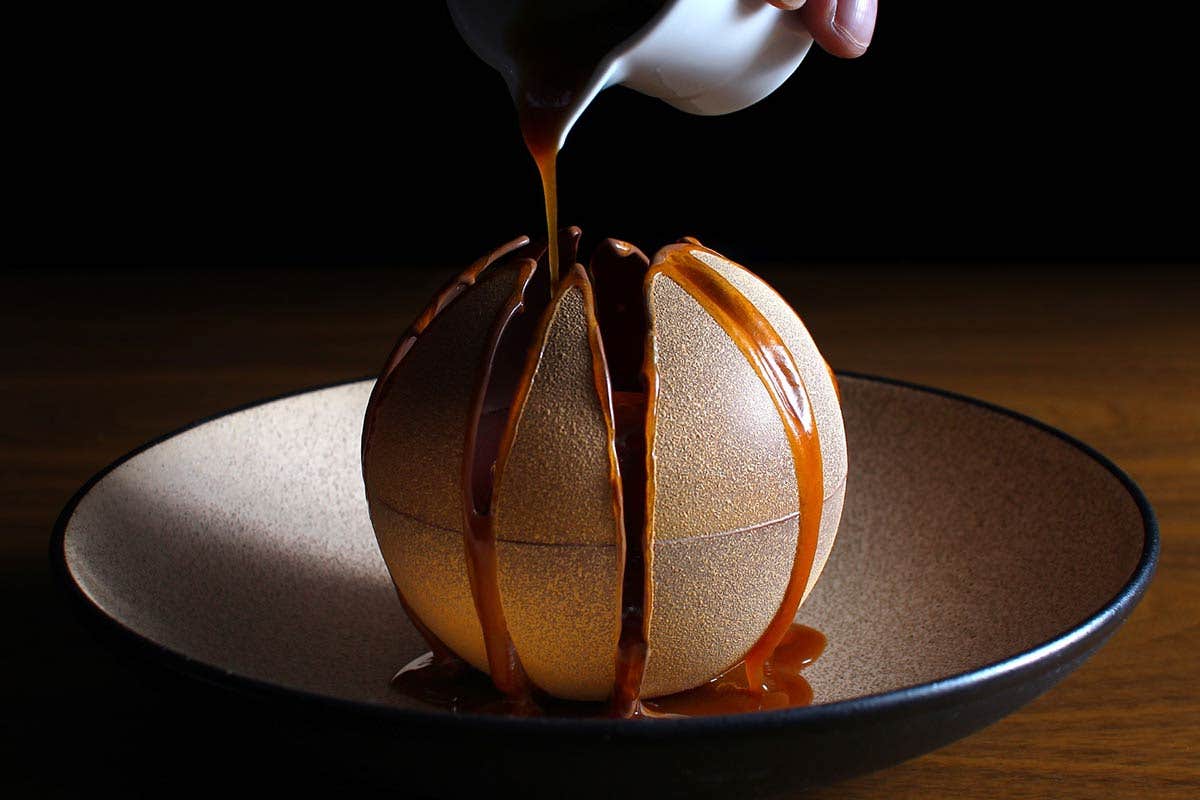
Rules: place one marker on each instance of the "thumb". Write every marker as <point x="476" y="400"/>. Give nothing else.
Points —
<point x="841" y="27"/>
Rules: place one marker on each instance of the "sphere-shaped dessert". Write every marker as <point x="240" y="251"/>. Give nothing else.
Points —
<point x="645" y="462"/>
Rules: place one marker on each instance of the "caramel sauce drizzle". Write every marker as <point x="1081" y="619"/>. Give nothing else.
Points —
<point x="479" y="532"/>
<point x="556" y="52"/>
<point x="575" y="279"/>
<point x="441" y="300"/>
<point x="773" y="363"/>
<point x="630" y="517"/>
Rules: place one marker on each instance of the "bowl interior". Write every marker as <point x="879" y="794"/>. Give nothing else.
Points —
<point x="244" y="543"/>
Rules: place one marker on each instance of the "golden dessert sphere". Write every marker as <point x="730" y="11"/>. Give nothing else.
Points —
<point x="724" y="515"/>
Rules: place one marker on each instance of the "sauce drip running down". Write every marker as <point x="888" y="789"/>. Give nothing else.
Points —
<point x="480" y="521"/>
<point x="773" y="363"/>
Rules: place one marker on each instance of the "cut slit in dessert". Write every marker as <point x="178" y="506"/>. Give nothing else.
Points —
<point x="618" y="273"/>
<point x="617" y="325"/>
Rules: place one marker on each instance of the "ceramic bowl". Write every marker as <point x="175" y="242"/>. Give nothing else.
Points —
<point x="981" y="557"/>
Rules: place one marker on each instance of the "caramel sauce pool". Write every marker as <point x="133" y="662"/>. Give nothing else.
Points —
<point x="447" y="683"/>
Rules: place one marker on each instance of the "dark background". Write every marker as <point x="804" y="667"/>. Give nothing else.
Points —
<point x="336" y="137"/>
<point x="154" y="144"/>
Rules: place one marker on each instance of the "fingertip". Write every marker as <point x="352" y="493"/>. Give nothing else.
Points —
<point x="841" y="27"/>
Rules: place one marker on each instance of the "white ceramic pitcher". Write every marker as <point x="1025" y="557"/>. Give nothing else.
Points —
<point x="701" y="56"/>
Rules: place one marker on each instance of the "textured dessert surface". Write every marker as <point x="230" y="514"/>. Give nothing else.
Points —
<point x="722" y="461"/>
<point x="414" y="461"/>
<point x="555" y="486"/>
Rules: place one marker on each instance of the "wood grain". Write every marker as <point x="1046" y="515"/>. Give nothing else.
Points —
<point x="96" y="362"/>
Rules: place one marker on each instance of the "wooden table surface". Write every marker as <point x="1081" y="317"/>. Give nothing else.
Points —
<point x="96" y="362"/>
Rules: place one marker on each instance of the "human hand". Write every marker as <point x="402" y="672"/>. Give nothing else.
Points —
<point x="842" y="27"/>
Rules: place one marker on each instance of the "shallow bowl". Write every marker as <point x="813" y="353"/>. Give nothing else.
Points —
<point x="981" y="557"/>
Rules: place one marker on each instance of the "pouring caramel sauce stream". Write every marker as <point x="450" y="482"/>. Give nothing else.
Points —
<point x="556" y="49"/>
<point x="540" y="129"/>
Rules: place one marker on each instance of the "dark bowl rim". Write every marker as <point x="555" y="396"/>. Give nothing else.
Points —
<point x="1048" y="653"/>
